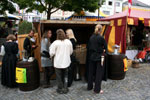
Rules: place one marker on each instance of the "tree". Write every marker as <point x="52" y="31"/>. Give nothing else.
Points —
<point x="51" y="6"/>
<point x="6" y="5"/>
<point x="24" y="27"/>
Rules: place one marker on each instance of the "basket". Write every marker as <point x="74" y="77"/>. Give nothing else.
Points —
<point x="135" y="64"/>
<point x="129" y="63"/>
<point x="80" y="54"/>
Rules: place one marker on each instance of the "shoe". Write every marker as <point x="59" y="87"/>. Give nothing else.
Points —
<point x="101" y="92"/>
<point x="60" y="91"/>
<point x="89" y="89"/>
<point x="65" y="90"/>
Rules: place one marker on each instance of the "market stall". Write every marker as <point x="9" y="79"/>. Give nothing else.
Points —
<point x="82" y="30"/>
<point x="120" y="33"/>
<point x="121" y="30"/>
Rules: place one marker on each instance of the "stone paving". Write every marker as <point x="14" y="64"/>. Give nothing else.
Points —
<point x="135" y="86"/>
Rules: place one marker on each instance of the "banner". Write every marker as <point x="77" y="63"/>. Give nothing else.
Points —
<point x="21" y="75"/>
<point x="129" y="6"/>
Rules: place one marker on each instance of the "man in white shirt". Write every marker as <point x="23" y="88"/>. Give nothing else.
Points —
<point x="61" y="49"/>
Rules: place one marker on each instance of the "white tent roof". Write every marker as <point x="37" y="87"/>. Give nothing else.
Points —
<point x="10" y="16"/>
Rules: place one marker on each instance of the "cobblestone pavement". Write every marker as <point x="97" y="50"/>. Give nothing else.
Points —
<point x="135" y="86"/>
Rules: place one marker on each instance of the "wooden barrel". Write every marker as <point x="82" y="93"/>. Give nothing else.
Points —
<point x="116" y="67"/>
<point x="33" y="75"/>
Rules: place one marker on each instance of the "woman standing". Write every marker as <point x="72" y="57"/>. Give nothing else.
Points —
<point x="61" y="49"/>
<point x="45" y="58"/>
<point x="9" y="50"/>
<point x="97" y="46"/>
<point x="71" y="37"/>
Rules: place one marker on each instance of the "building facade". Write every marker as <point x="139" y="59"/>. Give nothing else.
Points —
<point x="36" y="16"/>
<point x="137" y="5"/>
<point x="111" y="7"/>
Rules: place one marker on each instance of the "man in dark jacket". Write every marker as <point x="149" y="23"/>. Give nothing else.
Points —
<point x="97" y="46"/>
<point x="29" y="44"/>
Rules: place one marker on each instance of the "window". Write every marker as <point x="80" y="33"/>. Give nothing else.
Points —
<point x="117" y="4"/>
<point x="110" y="3"/>
<point x="106" y="12"/>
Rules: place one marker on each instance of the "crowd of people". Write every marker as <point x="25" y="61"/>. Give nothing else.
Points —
<point x="57" y="57"/>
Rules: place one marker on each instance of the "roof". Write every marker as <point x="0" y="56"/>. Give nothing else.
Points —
<point x="137" y="3"/>
<point x="134" y="13"/>
<point x="8" y="17"/>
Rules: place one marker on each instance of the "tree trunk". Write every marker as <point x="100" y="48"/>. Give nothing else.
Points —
<point x="48" y="15"/>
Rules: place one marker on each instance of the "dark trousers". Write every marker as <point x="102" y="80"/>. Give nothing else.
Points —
<point x="71" y="74"/>
<point x="62" y="78"/>
<point x="48" y="72"/>
<point x="74" y="72"/>
<point x="95" y="75"/>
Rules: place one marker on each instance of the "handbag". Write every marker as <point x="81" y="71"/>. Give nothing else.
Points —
<point x="45" y="54"/>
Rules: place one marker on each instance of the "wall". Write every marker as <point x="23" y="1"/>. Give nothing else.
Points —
<point x="108" y="9"/>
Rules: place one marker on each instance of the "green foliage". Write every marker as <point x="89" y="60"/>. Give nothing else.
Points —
<point x="24" y="27"/>
<point x="6" y="5"/>
<point x="50" y="5"/>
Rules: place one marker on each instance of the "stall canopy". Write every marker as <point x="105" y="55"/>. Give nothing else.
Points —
<point x="116" y="31"/>
<point x="9" y="16"/>
<point x="87" y="16"/>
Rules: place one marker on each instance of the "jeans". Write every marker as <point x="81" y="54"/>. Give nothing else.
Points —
<point x="62" y="78"/>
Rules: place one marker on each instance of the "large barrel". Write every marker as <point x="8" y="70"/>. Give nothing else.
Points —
<point x="116" y="67"/>
<point x="33" y="75"/>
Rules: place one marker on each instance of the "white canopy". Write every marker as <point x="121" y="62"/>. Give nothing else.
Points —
<point x="9" y="16"/>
